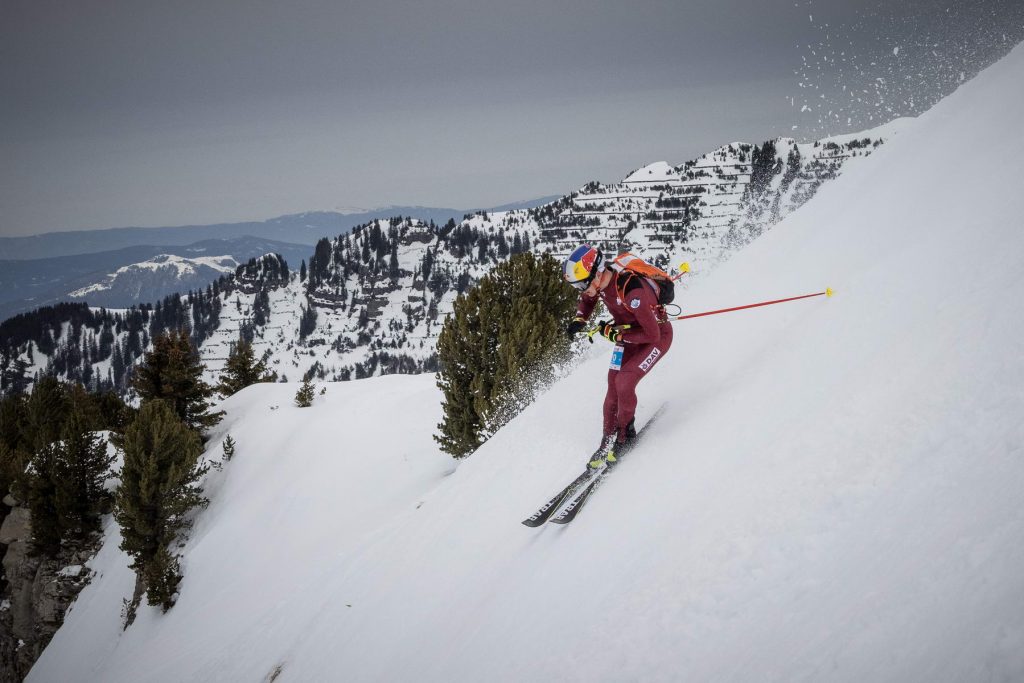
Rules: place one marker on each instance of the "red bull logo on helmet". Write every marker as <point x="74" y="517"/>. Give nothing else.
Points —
<point x="581" y="263"/>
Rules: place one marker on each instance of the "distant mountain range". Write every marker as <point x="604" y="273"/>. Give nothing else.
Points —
<point x="123" y="277"/>
<point x="119" y="267"/>
<point x="300" y="228"/>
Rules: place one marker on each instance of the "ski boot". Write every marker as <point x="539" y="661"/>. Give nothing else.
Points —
<point x="626" y="437"/>
<point x="601" y="455"/>
<point x="623" y="440"/>
<point x="630" y="431"/>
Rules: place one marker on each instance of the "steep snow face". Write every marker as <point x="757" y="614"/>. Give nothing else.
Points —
<point x="303" y="482"/>
<point x="832" y="494"/>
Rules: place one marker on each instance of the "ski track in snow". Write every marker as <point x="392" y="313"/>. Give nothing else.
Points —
<point x="833" y="494"/>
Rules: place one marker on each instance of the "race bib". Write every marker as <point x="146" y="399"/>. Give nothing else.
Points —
<point x="617" y="357"/>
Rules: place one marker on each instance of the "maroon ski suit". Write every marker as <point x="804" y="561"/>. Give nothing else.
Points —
<point x="644" y="344"/>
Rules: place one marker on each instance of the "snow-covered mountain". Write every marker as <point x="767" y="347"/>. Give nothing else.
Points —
<point x="129" y="276"/>
<point x="163" y="271"/>
<point x="376" y="297"/>
<point x="380" y="294"/>
<point x="833" y="492"/>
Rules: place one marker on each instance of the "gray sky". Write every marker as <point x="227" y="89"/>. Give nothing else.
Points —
<point x="117" y="113"/>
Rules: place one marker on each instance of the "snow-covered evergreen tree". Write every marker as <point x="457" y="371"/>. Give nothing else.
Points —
<point x="172" y="372"/>
<point x="304" y="396"/>
<point x="494" y="348"/>
<point x="159" y="486"/>
<point x="243" y="369"/>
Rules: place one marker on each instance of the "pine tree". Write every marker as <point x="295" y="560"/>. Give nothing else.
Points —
<point x="304" y="396"/>
<point x="172" y="372"/>
<point x="498" y="346"/>
<point x="117" y="364"/>
<point x="53" y="432"/>
<point x="229" y="447"/>
<point x="83" y="465"/>
<point x="13" y="410"/>
<point x="393" y="271"/>
<point x="159" y="486"/>
<point x="15" y="450"/>
<point x="14" y="380"/>
<point x="46" y="409"/>
<point x="242" y="370"/>
<point x="307" y="321"/>
<point x="88" y="405"/>
<point x="41" y="488"/>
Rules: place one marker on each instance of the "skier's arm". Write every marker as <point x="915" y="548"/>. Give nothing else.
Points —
<point x="585" y="306"/>
<point x="648" y="331"/>
<point x="583" y="310"/>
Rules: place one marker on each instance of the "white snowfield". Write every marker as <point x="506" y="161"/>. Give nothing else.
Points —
<point x="835" y="493"/>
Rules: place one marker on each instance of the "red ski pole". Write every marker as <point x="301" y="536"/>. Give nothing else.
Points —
<point x="684" y="268"/>
<point x="828" y="292"/>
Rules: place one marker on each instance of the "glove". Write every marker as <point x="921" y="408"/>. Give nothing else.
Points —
<point x="575" y="326"/>
<point x="608" y="330"/>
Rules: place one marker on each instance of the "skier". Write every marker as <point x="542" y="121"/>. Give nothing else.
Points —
<point x="640" y="330"/>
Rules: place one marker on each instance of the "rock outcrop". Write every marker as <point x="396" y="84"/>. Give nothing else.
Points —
<point x="35" y="591"/>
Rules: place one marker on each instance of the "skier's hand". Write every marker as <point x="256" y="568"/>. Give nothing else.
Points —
<point x="575" y="326"/>
<point x="608" y="330"/>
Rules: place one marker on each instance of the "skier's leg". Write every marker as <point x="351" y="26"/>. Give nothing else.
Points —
<point x="636" y="364"/>
<point x="625" y="389"/>
<point x="611" y="404"/>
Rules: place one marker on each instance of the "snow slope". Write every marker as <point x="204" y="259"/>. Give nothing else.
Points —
<point x="833" y="494"/>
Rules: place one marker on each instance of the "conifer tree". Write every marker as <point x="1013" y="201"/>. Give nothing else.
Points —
<point x="159" y="486"/>
<point x="67" y="462"/>
<point x="307" y="321"/>
<point x="46" y="410"/>
<point x="242" y="370"/>
<point x="14" y="380"/>
<point x="15" y="450"/>
<point x="64" y="483"/>
<point x="229" y="447"/>
<point x="498" y="346"/>
<point x="117" y="364"/>
<point x="41" y="488"/>
<point x="393" y="271"/>
<point x="304" y="396"/>
<point x="83" y="465"/>
<point x="172" y="372"/>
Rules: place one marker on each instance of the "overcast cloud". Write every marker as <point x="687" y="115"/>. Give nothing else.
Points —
<point x="125" y="113"/>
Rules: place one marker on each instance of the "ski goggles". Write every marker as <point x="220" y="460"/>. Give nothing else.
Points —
<point x="581" y="284"/>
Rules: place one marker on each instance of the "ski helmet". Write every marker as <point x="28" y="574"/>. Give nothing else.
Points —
<point x="582" y="265"/>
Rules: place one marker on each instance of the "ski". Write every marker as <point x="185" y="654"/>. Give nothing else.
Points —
<point x="570" y="511"/>
<point x="550" y="507"/>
